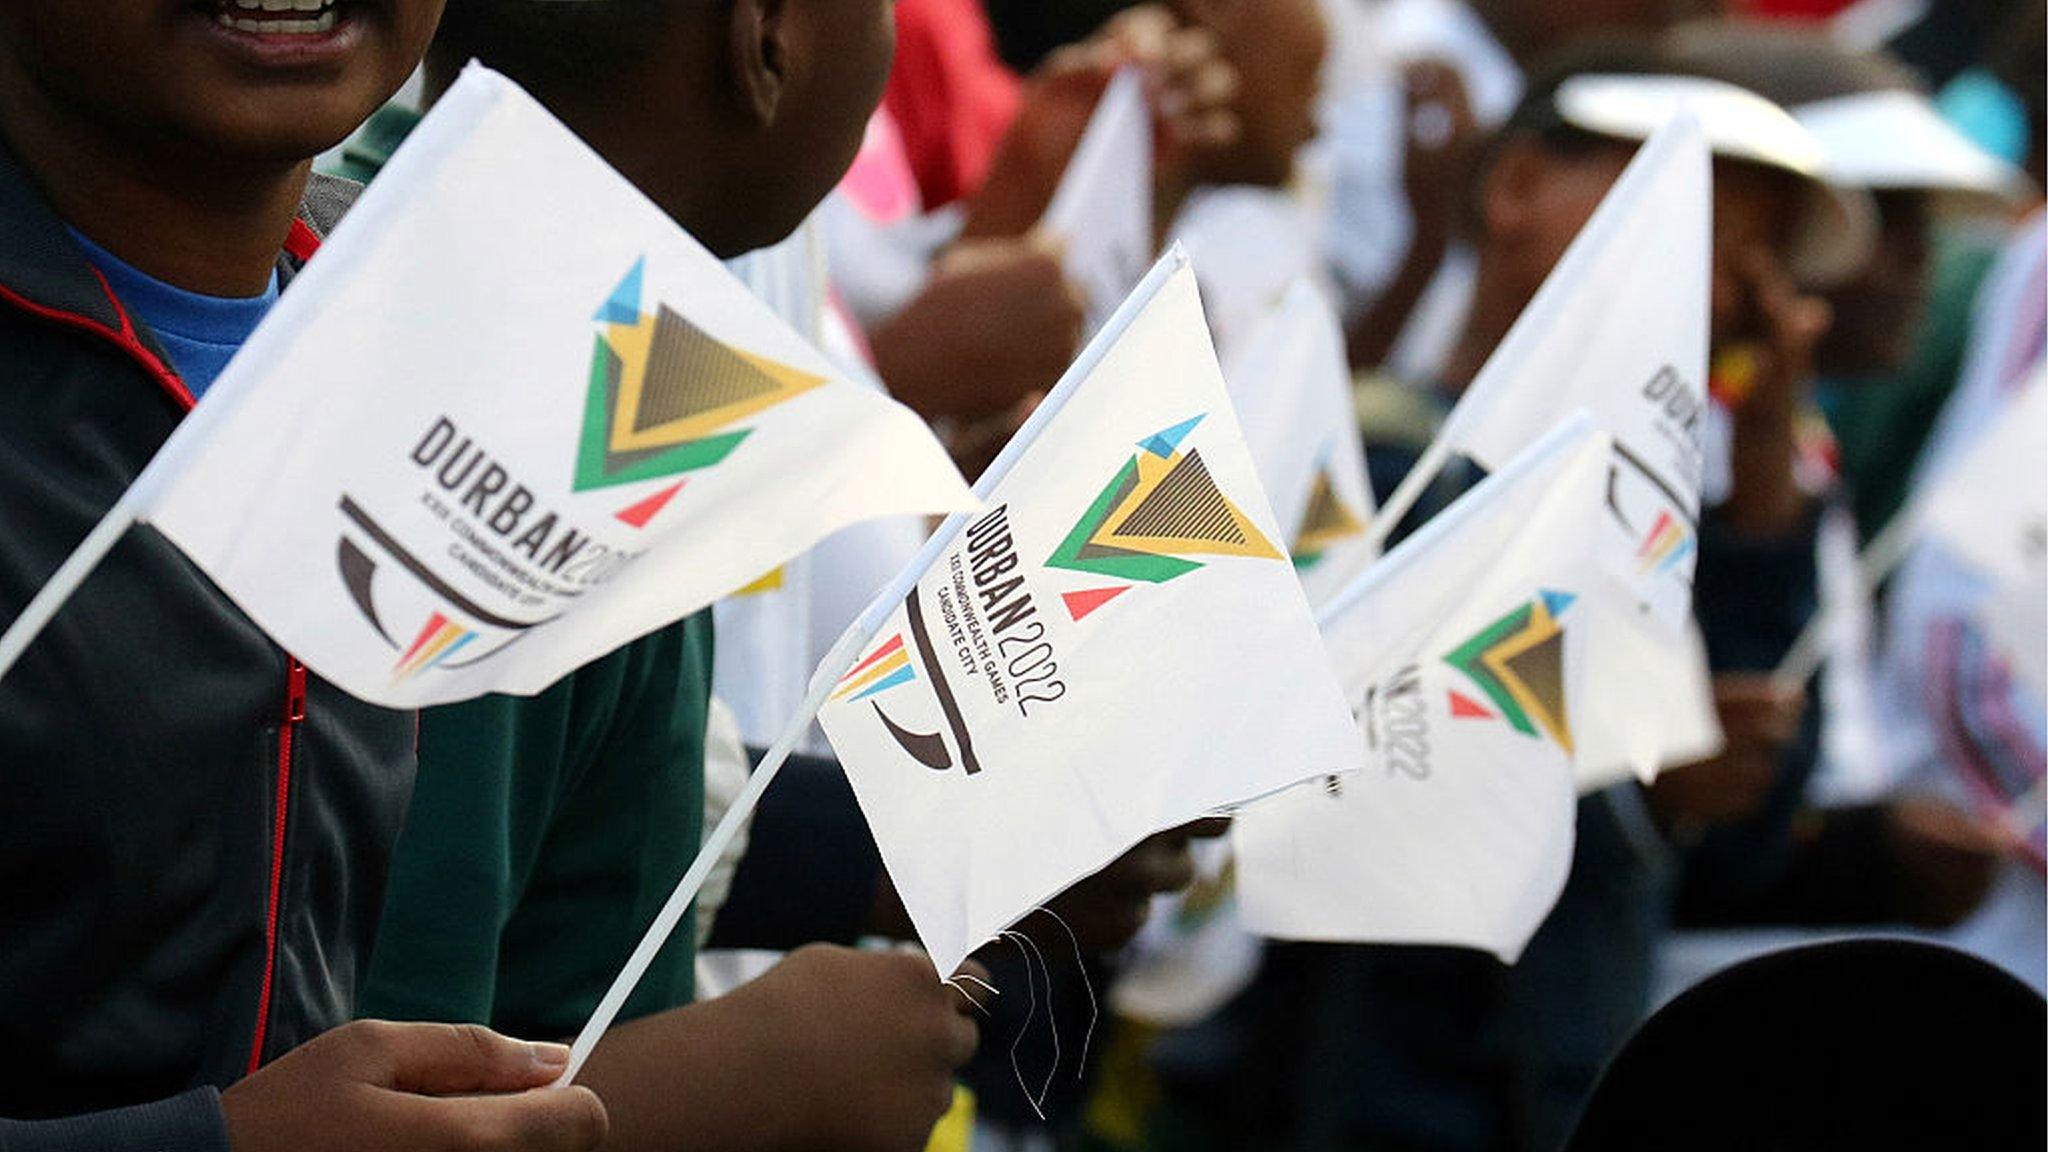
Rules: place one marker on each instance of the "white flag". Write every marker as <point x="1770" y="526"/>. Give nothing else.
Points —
<point x="1991" y="509"/>
<point x="513" y="417"/>
<point x="1462" y="655"/>
<point x="1620" y="329"/>
<point x="1115" y="645"/>
<point x="1102" y="209"/>
<point x="1292" y="389"/>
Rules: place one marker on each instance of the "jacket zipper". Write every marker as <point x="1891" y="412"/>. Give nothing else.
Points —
<point x="294" y="716"/>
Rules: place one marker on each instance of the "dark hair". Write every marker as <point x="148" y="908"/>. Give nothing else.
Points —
<point x="546" y="43"/>
<point x="1537" y="115"/>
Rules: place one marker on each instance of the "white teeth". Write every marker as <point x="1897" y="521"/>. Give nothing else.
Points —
<point x="324" y="22"/>
<point x="277" y="5"/>
<point x="309" y="5"/>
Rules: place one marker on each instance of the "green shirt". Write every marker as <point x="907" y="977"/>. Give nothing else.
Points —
<point x="544" y="834"/>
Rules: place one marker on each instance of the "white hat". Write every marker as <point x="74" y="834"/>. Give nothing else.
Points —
<point x="1897" y="139"/>
<point x="1839" y="226"/>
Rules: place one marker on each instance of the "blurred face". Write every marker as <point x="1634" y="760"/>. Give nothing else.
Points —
<point x="1755" y="209"/>
<point x="1539" y="197"/>
<point x="1877" y="315"/>
<point x="1277" y="47"/>
<point x="224" y="77"/>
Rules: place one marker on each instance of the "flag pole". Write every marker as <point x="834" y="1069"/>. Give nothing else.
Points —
<point x="44" y="605"/>
<point x="844" y="651"/>
<point x="1409" y="490"/>
<point x="1880" y="558"/>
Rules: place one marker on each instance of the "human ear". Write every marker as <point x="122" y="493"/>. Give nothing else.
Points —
<point x="758" y="53"/>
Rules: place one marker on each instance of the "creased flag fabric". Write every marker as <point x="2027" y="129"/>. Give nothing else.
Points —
<point x="1292" y="388"/>
<point x="1991" y="509"/>
<point x="1620" y="329"/>
<point x="1462" y="655"/>
<point x="1075" y="669"/>
<point x="1102" y="209"/>
<point x="1991" y="506"/>
<point x="492" y="452"/>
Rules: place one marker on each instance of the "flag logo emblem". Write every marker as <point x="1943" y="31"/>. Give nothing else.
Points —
<point x="664" y="396"/>
<point x="1327" y="522"/>
<point x="881" y="670"/>
<point x="1518" y="664"/>
<point x="892" y="665"/>
<point x="439" y="639"/>
<point x="1665" y="546"/>
<point x="1160" y="508"/>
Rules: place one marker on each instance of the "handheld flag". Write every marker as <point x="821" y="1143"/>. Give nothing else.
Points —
<point x="493" y="451"/>
<point x="1462" y="654"/>
<point x="1066" y="674"/>
<point x="1620" y="329"/>
<point x="1102" y="209"/>
<point x="1292" y="389"/>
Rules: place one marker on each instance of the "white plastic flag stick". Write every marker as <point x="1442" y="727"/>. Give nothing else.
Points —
<point x="837" y="661"/>
<point x="44" y="605"/>
<point x="1885" y="552"/>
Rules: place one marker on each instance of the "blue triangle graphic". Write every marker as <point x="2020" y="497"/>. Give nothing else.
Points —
<point x="1164" y="444"/>
<point x="1557" y="602"/>
<point x="624" y="305"/>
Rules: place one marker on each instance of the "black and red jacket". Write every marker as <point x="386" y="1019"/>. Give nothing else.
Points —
<point x="194" y="833"/>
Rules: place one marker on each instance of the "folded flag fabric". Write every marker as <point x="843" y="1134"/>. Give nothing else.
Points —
<point x="1077" y="666"/>
<point x="1102" y="209"/>
<point x="1990" y="508"/>
<point x="1462" y="653"/>
<point x="494" y="451"/>
<point x="1620" y="329"/>
<point x="1292" y="389"/>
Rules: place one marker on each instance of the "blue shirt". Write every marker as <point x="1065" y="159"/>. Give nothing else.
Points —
<point x="198" y="333"/>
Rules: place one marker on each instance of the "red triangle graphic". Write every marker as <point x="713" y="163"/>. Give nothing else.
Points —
<point x="639" y="514"/>
<point x="1463" y="707"/>
<point x="1087" y="600"/>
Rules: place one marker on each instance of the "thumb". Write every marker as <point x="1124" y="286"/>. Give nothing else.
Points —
<point x="446" y="1059"/>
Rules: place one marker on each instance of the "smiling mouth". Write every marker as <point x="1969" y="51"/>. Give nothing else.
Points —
<point x="277" y="17"/>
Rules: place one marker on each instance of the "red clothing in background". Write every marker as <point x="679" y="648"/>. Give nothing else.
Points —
<point x="951" y="98"/>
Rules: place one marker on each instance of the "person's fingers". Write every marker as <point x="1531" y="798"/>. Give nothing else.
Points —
<point x="568" y="1119"/>
<point x="1139" y="35"/>
<point x="444" y="1059"/>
